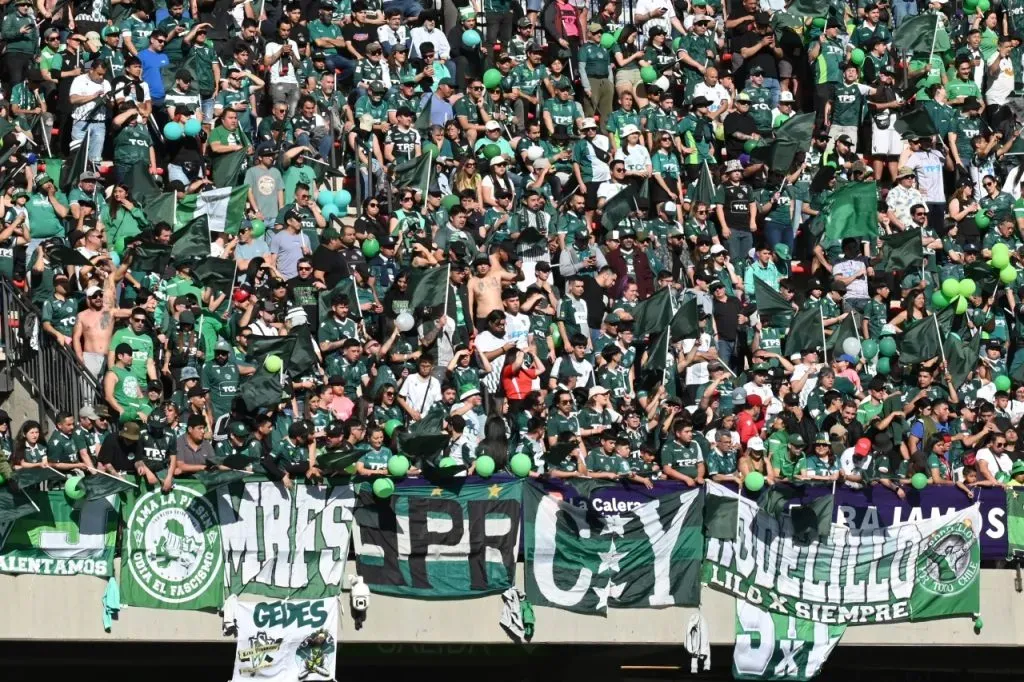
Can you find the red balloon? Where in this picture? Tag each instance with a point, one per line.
(863, 447)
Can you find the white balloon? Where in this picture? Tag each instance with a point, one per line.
(405, 322)
(533, 153)
(851, 346)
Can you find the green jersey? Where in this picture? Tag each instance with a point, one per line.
(682, 457)
(848, 103)
(760, 107)
(61, 448)
(142, 350)
(62, 314)
(223, 382)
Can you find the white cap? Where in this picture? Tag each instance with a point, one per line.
(786, 96)
(296, 316)
(588, 123)
(628, 130)
(92, 291)
(541, 164)
(670, 207)
(662, 84)
(498, 160)
(717, 248)
(492, 125)
(533, 153)
(755, 443)
(597, 390)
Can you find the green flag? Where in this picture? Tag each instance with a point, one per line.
(588, 561)
(808, 8)
(218, 477)
(262, 346)
(796, 128)
(224, 208)
(144, 187)
(778, 153)
(774, 646)
(73, 168)
(923, 342)
(621, 205)
(658, 356)
(805, 331)
(262, 390)
(150, 258)
(346, 286)
(915, 122)
(705, 189)
(921, 33)
(1014, 523)
(164, 209)
(962, 358)
(217, 274)
(847, 329)
(721, 516)
(853, 212)
(63, 257)
(36, 476)
(100, 486)
(226, 170)
(986, 278)
(686, 322)
(14, 506)
(431, 288)
(191, 241)
(415, 173)
(654, 314)
(769, 301)
(337, 460)
(812, 519)
(901, 250)
(423, 123)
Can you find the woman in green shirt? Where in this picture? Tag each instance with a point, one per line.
(122, 218)
(29, 447)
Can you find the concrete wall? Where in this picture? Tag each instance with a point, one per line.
(69, 608)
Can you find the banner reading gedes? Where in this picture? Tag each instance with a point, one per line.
(288, 544)
(286, 640)
(909, 571)
(61, 539)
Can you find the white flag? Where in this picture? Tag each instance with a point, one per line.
(286, 640)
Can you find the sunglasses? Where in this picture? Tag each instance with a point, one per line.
(373, 204)
(920, 214)
(305, 267)
(405, 199)
(139, 319)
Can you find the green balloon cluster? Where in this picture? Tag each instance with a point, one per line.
(485, 466)
(869, 348)
(884, 365)
(754, 481)
(398, 465)
(919, 481)
(887, 347)
(1000, 256)
(520, 465)
(1008, 275)
(383, 487)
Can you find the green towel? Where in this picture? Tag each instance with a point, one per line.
(111, 603)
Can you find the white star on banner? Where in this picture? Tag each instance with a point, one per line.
(610, 559)
(615, 523)
(611, 590)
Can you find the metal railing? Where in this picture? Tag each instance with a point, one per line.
(53, 376)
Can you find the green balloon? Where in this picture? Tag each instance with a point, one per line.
(939, 301)
(887, 346)
(351, 469)
(749, 146)
(967, 287)
(491, 150)
(273, 364)
(447, 462)
(617, 33)
(961, 305)
(648, 74)
(1008, 275)
(984, 5)
(919, 481)
(383, 487)
(73, 488)
(390, 426)
(450, 202)
(492, 78)
(607, 40)
(950, 288)
(520, 465)
(1002, 383)
(556, 334)
(982, 220)
(1002, 477)
(869, 348)
(371, 247)
(431, 148)
(3, 479)
(884, 365)
(259, 228)
(1000, 256)
(970, 5)
(398, 465)
(754, 481)
(818, 22)
(484, 466)
(857, 56)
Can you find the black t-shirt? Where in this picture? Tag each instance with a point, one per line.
(332, 263)
(764, 57)
(302, 292)
(738, 123)
(359, 36)
(118, 453)
(726, 314)
(594, 295)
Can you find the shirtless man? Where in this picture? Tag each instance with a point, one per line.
(486, 284)
(95, 326)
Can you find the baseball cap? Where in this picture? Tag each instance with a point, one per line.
(755, 443)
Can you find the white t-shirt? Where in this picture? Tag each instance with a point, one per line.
(638, 158)
(714, 94)
(275, 70)
(516, 329)
(84, 85)
(858, 288)
(928, 165)
(607, 190)
(485, 343)
(1001, 87)
(665, 20)
(420, 393)
(996, 463)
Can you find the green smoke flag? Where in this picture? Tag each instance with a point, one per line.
(150, 258)
(686, 322)
(14, 506)
(227, 170)
(769, 301)
(922, 342)
(262, 390)
(772, 646)
(804, 332)
(70, 171)
(654, 314)
(415, 173)
(346, 286)
(1014, 523)
(853, 212)
(921, 33)
(216, 274)
(915, 122)
(962, 358)
(99, 486)
(901, 250)
(191, 241)
(584, 560)
(621, 205)
(431, 288)
(808, 8)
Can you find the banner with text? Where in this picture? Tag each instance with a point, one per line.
(287, 544)
(286, 640)
(908, 571)
(770, 646)
(456, 541)
(172, 556)
(599, 546)
(61, 539)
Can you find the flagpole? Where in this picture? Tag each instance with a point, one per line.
(938, 333)
(231, 291)
(30, 500)
(116, 478)
(59, 473)
(824, 339)
(857, 332)
(447, 290)
(426, 188)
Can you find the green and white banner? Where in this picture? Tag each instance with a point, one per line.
(60, 539)
(453, 542)
(172, 556)
(612, 547)
(286, 640)
(775, 647)
(287, 544)
(909, 571)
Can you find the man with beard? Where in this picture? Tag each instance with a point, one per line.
(95, 327)
(221, 377)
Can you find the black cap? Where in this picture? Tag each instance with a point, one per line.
(197, 391)
(4, 417)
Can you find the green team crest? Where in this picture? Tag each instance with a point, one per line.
(950, 564)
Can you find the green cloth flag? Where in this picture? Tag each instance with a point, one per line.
(14, 505)
(223, 207)
(621, 205)
(163, 209)
(847, 329)
(346, 286)
(686, 322)
(773, 646)
(416, 173)
(721, 514)
(901, 250)
(423, 123)
(262, 390)
(63, 257)
(915, 122)
(73, 167)
(217, 274)
(812, 519)
(262, 346)
(468, 548)
(172, 557)
(808, 8)
(962, 358)
(791, 138)
(216, 478)
(99, 486)
(191, 241)
(431, 288)
(805, 331)
(226, 170)
(923, 342)
(770, 302)
(985, 277)
(922, 34)
(1014, 523)
(144, 188)
(36, 476)
(295, 350)
(658, 357)
(705, 189)
(151, 258)
(852, 211)
(654, 314)
(586, 560)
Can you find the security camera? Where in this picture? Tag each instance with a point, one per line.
(360, 599)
